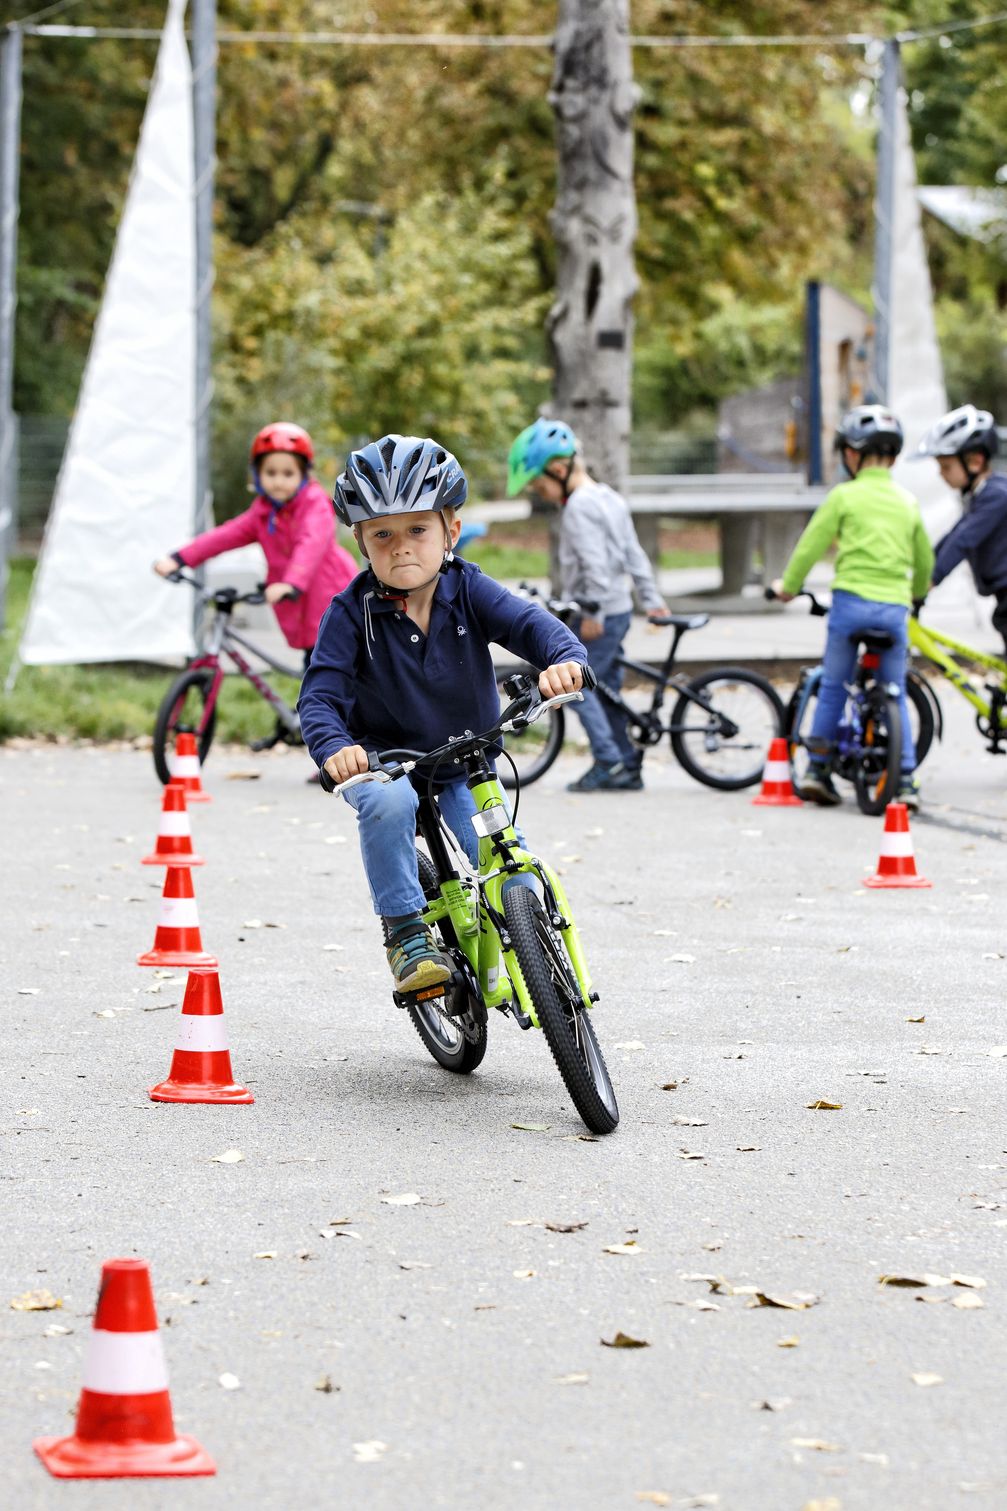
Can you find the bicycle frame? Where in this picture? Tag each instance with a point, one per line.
(475, 908)
(224, 639)
(930, 643)
(849, 734)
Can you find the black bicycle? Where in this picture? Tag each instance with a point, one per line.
(867, 750)
(720, 725)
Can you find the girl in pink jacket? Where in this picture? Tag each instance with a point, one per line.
(293, 520)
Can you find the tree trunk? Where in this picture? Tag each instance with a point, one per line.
(590, 325)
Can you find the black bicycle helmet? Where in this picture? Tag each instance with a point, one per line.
(964, 429)
(398, 475)
(870, 427)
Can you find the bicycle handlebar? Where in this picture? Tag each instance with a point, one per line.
(815, 606)
(563, 608)
(528, 706)
(220, 595)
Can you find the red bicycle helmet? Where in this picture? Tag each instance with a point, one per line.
(281, 436)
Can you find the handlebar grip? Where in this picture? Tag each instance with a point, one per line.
(769, 593)
(588, 676)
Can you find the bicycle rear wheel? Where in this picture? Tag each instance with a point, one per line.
(183, 710)
(721, 732)
(553, 987)
(876, 769)
(921, 699)
(535, 749)
(442, 1033)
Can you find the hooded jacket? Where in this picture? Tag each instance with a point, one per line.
(300, 548)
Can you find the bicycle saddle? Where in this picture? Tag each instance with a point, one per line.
(874, 640)
(681, 621)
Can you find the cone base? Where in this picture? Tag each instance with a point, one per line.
(184, 1091)
(177, 957)
(877, 880)
(153, 859)
(789, 801)
(77, 1458)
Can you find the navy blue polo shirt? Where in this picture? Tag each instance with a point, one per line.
(376, 680)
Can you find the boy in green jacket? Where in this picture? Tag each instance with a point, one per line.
(883, 562)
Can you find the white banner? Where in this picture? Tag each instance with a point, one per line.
(126, 489)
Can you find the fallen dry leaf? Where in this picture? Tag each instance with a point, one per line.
(776, 1403)
(414, 1264)
(622, 1248)
(690, 1154)
(265, 1254)
(229, 1157)
(325, 1385)
(623, 1340)
(916, 1020)
(974, 1282)
(36, 1301)
(823, 1106)
(669, 1085)
(682, 959)
(565, 1227)
(924, 1378)
(830, 1503)
(242, 776)
(799, 1301)
(572, 1379)
(369, 1452)
(230, 1382)
(682, 1122)
(970, 1302)
(998, 1052)
(407, 1199)
(926, 1278)
(749, 1148)
(524, 1274)
(532, 1127)
(791, 1342)
(818, 1444)
(654, 1497)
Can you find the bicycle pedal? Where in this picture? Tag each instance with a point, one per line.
(520, 1017)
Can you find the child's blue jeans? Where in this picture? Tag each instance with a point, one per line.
(849, 615)
(605, 727)
(386, 822)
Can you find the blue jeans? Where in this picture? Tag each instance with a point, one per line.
(848, 615)
(606, 727)
(386, 824)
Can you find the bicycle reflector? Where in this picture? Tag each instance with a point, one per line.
(492, 820)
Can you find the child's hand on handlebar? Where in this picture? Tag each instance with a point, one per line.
(278, 590)
(350, 761)
(780, 592)
(590, 629)
(166, 566)
(565, 677)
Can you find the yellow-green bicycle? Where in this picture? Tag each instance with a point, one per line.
(942, 650)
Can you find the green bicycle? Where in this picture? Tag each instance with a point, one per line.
(508, 929)
(941, 650)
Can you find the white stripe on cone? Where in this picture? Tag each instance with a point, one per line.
(125, 1364)
(174, 824)
(205, 1034)
(178, 913)
(894, 844)
(776, 771)
(185, 766)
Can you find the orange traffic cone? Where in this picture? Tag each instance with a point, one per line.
(777, 791)
(124, 1422)
(185, 768)
(173, 846)
(896, 863)
(177, 939)
(201, 1065)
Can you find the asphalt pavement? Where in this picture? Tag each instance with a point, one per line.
(450, 1351)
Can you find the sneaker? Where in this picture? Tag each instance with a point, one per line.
(602, 778)
(415, 961)
(817, 787)
(909, 792)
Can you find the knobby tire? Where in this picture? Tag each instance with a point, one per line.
(553, 987)
(441, 1036)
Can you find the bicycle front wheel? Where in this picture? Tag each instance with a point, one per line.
(876, 768)
(183, 710)
(534, 749)
(442, 1033)
(553, 987)
(721, 727)
(920, 699)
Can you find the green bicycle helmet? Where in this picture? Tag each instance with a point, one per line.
(534, 449)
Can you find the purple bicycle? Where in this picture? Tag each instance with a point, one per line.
(190, 704)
